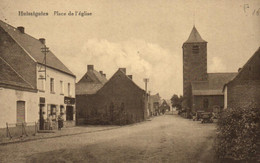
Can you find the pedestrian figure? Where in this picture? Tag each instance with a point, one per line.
(60, 122)
(49, 120)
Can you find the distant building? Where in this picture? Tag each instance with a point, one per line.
(154, 104)
(29, 93)
(244, 89)
(201, 90)
(164, 107)
(91, 82)
(119, 101)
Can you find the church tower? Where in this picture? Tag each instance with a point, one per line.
(194, 63)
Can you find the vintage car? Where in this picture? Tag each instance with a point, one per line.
(197, 116)
(207, 117)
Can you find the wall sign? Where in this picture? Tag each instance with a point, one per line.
(69, 100)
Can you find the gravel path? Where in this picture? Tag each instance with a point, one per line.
(167, 138)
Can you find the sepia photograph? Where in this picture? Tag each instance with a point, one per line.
(130, 81)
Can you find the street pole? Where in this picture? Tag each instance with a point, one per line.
(146, 80)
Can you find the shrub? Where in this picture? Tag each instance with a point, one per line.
(237, 133)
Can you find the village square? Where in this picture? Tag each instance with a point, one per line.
(125, 105)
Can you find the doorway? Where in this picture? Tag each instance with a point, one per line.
(41, 118)
(69, 113)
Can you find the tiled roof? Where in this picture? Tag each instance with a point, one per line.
(194, 36)
(251, 59)
(33, 47)
(119, 72)
(214, 84)
(90, 83)
(9, 77)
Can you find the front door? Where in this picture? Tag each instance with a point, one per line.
(41, 117)
(69, 113)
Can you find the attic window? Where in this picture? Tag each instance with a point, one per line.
(195, 49)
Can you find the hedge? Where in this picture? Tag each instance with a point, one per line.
(237, 134)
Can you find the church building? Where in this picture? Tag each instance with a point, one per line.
(201, 90)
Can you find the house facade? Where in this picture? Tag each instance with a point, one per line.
(120, 101)
(201, 90)
(244, 89)
(53, 84)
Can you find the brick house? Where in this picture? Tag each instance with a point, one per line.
(119, 101)
(201, 90)
(52, 83)
(244, 89)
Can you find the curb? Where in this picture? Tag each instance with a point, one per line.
(55, 136)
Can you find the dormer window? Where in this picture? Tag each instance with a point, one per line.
(195, 49)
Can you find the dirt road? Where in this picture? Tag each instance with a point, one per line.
(167, 138)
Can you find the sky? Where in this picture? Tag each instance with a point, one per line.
(144, 36)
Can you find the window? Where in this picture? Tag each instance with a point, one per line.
(52, 85)
(61, 87)
(195, 49)
(69, 89)
(20, 111)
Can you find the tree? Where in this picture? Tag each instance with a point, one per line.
(177, 102)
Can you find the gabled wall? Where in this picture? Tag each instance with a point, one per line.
(244, 90)
(12, 53)
(119, 101)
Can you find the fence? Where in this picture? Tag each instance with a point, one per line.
(14, 130)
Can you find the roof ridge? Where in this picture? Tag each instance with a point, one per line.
(245, 64)
(15, 28)
(16, 72)
(18, 42)
(126, 78)
(31, 46)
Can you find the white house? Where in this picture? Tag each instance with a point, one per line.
(33, 88)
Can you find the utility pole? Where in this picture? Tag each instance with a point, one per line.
(44, 50)
(146, 80)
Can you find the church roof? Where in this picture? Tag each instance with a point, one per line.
(194, 36)
(212, 86)
(32, 47)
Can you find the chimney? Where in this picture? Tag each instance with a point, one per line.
(90, 67)
(21, 29)
(123, 70)
(130, 76)
(42, 40)
(101, 72)
(239, 69)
